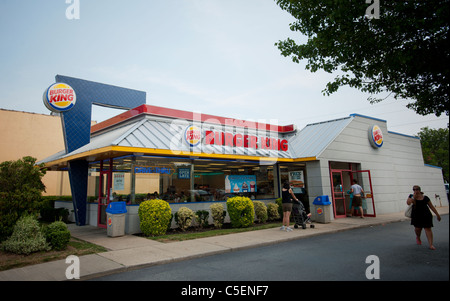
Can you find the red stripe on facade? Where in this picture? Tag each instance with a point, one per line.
(192, 116)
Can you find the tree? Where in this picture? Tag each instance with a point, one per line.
(435, 148)
(403, 51)
(21, 189)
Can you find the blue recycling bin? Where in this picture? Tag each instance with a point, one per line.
(322, 209)
(116, 208)
(115, 219)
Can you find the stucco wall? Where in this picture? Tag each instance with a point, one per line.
(36, 135)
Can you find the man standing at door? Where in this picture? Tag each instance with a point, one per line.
(357, 197)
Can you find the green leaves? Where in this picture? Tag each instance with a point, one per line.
(21, 188)
(435, 143)
(405, 52)
(154, 216)
(184, 217)
(218, 214)
(27, 237)
(241, 211)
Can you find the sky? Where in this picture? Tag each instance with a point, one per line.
(214, 57)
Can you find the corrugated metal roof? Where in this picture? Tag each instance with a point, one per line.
(314, 138)
(107, 138)
(161, 134)
(98, 141)
(158, 134)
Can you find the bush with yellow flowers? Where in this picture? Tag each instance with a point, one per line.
(241, 211)
(184, 218)
(155, 216)
(218, 214)
(260, 211)
(272, 211)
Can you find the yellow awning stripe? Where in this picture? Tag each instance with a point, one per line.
(116, 151)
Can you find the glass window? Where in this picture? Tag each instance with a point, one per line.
(163, 178)
(121, 182)
(178, 180)
(93, 182)
(294, 173)
(219, 180)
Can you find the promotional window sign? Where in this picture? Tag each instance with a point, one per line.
(119, 181)
(184, 173)
(59, 97)
(153, 169)
(240, 183)
(296, 179)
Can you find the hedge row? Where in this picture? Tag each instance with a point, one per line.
(156, 215)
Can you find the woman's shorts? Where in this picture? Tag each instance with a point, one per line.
(357, 201)
(287, 207)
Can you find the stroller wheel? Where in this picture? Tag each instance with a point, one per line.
(303, 226)
(295, 226)
(311, 226)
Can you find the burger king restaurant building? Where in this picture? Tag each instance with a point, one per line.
(191, 159)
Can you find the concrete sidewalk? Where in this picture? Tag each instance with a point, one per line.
(133, 252)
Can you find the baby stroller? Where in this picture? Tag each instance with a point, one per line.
(299, 215)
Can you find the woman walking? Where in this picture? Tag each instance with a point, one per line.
(421, 217)
(287, 195)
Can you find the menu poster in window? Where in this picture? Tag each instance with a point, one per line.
(119, 181)
(296, 179)
(240, 183)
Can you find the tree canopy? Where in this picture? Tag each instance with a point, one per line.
(404, 52)
(21, 189)
(435, 148)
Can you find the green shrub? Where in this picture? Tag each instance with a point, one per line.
(260, 211)
(218, 214)
(27, 237)
(272, 211)
(241, 211)
(202, 218)
(154, 216)
(169, 224)
(21, 188)
(49, 214)
(58, 236)
(184, 218)
(279, 202)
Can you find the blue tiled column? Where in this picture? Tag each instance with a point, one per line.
(78, 176)
(77, 121)
(77, 128)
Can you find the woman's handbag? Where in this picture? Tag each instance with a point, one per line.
(408, 211)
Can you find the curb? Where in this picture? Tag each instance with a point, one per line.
(234, 249)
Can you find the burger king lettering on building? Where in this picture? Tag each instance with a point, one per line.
(59, 97)
(193, 136)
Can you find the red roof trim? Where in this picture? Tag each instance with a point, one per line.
(179, 114)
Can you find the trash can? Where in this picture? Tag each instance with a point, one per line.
(322, 209)
(115, 219)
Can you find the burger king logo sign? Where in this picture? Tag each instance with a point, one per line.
(193, 135)
(375, 136)
(59, 97)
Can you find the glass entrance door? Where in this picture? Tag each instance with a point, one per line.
(105, 184)
(338, 195)
(341, 181)
(368, 203)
